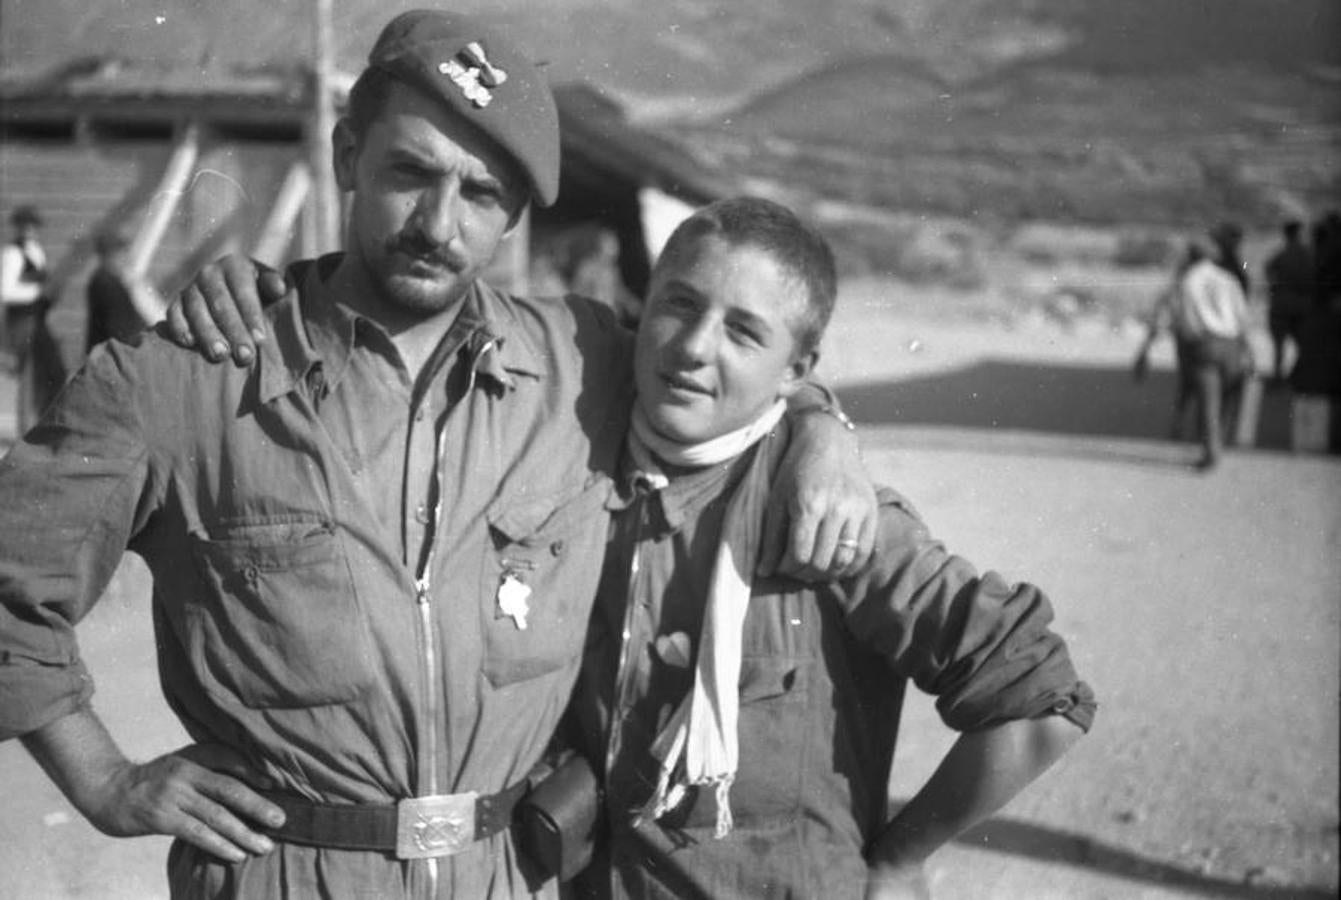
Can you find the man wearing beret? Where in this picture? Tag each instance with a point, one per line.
(374, 550)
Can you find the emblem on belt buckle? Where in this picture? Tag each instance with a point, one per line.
(439, 825)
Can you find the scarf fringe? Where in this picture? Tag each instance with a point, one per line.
(668, 747)
(668, 796)
(723, 796)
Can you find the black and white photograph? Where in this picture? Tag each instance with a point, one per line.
(681, 450)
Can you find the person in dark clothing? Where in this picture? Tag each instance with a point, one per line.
(1315, 377)
(1327, 258)
(1289, 276)
(111, 305)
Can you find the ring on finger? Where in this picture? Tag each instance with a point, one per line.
(848, 544)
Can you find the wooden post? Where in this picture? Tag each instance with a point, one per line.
(326, 201)
(277, 232)
(171, 187)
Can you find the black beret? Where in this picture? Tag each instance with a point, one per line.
(483, 77)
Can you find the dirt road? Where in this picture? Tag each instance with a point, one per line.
(1204, 609)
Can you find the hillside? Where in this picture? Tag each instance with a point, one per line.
(680, 51)
(1158, 113)
(1154, 111)
(1045, 140)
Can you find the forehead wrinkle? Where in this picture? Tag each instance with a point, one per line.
(448, 155)
(413, 117)
(794, 303)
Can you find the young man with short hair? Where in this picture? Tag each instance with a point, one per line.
(745, 726)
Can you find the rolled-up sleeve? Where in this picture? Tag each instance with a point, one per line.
(982, 646)
(72, 492)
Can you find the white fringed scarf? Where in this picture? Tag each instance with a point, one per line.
(702, 730)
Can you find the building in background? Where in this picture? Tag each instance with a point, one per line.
(196, 163)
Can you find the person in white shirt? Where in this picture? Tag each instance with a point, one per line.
(1207, 312)
(23, 292)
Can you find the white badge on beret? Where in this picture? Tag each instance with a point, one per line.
(476, 76)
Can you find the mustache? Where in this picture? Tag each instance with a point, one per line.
(414, 244)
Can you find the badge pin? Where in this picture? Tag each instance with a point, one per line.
(468, 80)
(512, 596)
(491, 75)
(476, 76)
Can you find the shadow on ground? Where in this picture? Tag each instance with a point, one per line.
(1043, 398)
(1052, 846)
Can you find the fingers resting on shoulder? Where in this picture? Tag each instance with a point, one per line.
(221, 312)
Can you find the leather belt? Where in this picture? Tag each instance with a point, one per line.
(414, 828)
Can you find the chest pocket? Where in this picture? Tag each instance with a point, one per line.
(280, 625)
(541, 572)
(771, 734)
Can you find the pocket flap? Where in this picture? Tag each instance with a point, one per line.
(766, 678)
(269, 546)
(528, 520)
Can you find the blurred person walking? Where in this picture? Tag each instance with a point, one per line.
(1206, 310)
(25, 294)
(1289, 276)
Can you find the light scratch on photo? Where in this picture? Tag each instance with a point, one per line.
(197, 176)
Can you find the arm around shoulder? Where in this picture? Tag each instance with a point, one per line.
(821, 517)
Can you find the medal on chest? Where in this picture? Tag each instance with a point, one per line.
(513, 594)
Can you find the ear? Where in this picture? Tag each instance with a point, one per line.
(344, 154)
(798, 370)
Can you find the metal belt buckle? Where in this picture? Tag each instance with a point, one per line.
(439, 825)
